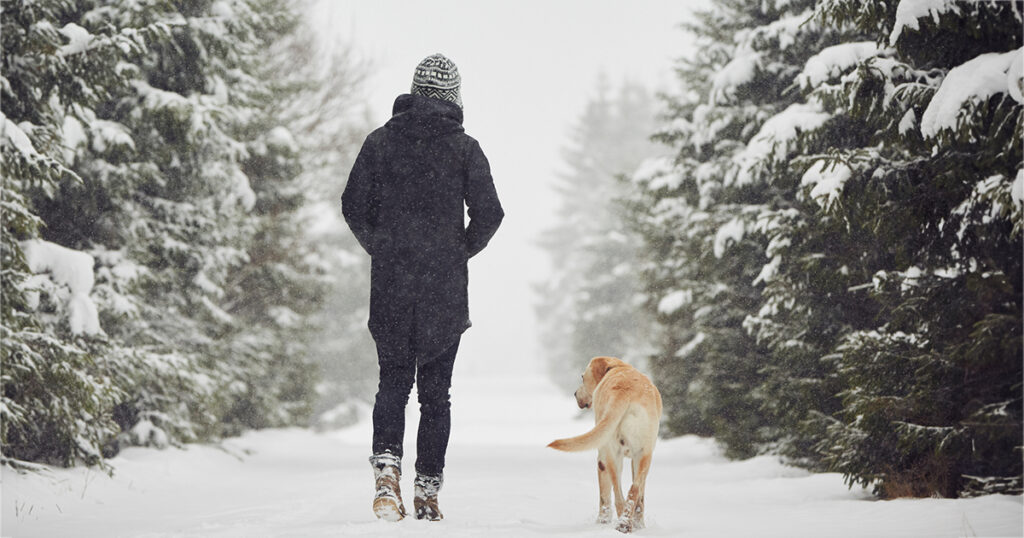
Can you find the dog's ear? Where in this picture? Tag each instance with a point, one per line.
(598, 367)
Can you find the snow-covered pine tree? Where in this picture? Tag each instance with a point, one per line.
(288, 292)
(810, 257)
(165, 206)
(270, 295)
(590, 304)
(141, 132)
(932, 388)
(57, 392)
(734, 125)
(882, 186)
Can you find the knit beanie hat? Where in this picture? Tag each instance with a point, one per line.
(437, 77)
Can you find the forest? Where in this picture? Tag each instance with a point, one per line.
(170, 273)
(813, 245)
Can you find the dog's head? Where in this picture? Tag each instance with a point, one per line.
(592, 375)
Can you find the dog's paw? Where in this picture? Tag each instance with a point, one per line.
(605, 515)
(628, 525)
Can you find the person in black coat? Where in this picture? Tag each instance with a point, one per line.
(406, 201)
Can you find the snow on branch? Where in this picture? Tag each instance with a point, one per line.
(1017, 190)
(993, 198)
(674, 300)
(658, 173)
(730, 233)
(157, 99)
(970, 83)
(826, 179)
(833, 61)
(772, 142)
(239, 189)
(70, 268)
(11, 134)
(788, 28)
(908, 12)
(79, 39)
(747, 61)
(739, 71)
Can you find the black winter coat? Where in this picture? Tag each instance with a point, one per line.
(405, 202)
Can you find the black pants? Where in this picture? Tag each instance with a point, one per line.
(433, 380)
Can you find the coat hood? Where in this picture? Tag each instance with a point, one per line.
(416, 116)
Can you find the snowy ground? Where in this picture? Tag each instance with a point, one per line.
(500, 482)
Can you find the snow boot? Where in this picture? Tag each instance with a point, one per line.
(387, 472)
(425, 501)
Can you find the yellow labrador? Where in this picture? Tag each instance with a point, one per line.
(627, 412)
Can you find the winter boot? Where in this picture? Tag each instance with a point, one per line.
(425, 501)
(387, 472)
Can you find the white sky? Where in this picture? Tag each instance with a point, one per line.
(528, 68)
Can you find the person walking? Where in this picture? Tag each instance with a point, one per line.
(411, 186)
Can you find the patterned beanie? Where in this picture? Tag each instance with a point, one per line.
(437, 77)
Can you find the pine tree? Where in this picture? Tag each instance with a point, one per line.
(288, 291)
(870, 183)
(165, 207)
(57, 390)
(150, 143)
(932, 388)
(810, 258)
(590, 306)
(701, 215)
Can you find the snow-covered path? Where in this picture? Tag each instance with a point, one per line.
(500, 482)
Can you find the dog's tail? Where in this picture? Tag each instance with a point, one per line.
(597, 437)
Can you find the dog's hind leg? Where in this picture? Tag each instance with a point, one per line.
(633, 518)
(609, 467)
(620, 501)
(604, 482)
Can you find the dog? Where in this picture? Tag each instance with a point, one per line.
(627, 413)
